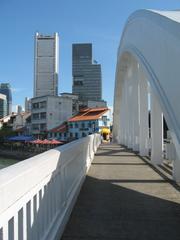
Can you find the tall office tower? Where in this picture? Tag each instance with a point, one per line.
(19, 109)
(46, 65)
(86, 75)
(5, 89)
(3, 105)
(27, 105)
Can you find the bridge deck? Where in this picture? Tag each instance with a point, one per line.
(123, 197)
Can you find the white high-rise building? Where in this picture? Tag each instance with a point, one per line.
(46, 65)
(19, 109)
(27, 105)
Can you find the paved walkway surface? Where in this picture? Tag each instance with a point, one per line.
(123, 197)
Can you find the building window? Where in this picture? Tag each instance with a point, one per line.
(65, 135)
(35, 116)
(76, 135)
(55, 134)
(71, 125)
(104, 119)
(60, 135)
(83, 134)
(78, 83)
(83, 125)
(43, 115)
(89, 124)
(35, 126)
(35, 105)
(42, 126)
(50, 135)
(71, 135)
(78, 80)
(42, 104)
(76, 125)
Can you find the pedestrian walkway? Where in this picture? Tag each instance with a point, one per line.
(123, 197)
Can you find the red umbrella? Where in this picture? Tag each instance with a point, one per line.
(37, 141)
(54, 141)
(46, 141)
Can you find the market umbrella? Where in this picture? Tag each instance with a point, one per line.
(46, 141)
(37, 141)
(54, 141)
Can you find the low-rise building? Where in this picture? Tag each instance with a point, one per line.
(8, 120)
(21, 123)
(75, 101)
(86, 122)
(60, 132)
(49, 112)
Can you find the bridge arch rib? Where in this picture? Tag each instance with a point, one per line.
(148, 80)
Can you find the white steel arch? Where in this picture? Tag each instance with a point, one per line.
(148, 80)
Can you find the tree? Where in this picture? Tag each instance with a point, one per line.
(6, 131)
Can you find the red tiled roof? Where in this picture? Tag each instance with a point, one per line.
(88, 114)
(61, 128)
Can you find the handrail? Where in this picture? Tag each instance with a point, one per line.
(37, 195)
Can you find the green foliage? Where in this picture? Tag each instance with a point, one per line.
(5, 132)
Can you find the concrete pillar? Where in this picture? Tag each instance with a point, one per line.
(122, 115)
(135, 106)
(176, 170)
(126, 125)
(129, 107)
(156, 131)
(143, 114)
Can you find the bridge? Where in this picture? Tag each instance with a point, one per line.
(129, 192)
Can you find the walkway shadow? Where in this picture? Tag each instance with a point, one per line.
(106, 210)
(114, 152)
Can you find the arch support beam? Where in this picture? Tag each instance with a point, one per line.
(143, 114)
(150, 39)
(156, 131)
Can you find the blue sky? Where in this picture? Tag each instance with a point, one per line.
(97, 21)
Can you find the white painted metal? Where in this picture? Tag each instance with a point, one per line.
(37, 195)
(150, 40)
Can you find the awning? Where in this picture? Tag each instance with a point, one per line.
(21, 138)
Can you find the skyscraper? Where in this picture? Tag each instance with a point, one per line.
(27, 105)
(46, 65)
(86, 75)
(5, 89)
(3, 105)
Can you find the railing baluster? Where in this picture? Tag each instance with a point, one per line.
(35, 222)
(1, 233)
(5, 231)
(20, 224)
(25, 222)
(11, 229)
(28, 219)
(16, 227)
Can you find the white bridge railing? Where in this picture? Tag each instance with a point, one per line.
(37, 195)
